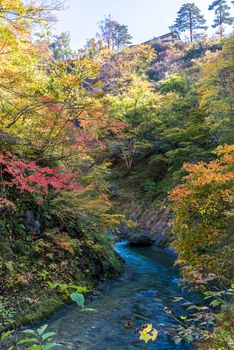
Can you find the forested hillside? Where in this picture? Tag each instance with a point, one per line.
(135, 141)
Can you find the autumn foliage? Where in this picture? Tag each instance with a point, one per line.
(30, 177)
(203, 205)
(82, 133)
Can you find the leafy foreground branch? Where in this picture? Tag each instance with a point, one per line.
(39, 339)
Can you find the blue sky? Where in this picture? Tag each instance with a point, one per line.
(145, 18)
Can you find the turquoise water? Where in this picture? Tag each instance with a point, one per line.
(147, 286)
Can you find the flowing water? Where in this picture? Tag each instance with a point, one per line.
(139, 296)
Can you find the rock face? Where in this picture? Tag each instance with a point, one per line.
(32, 222)
(140, 239)
(154, 226)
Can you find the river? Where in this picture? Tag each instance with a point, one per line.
(139, 296)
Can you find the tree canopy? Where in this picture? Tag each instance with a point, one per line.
(222, 14)
(189, 18)
(114, 34)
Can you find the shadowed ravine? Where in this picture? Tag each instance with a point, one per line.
(139, 295)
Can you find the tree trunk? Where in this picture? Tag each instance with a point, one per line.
(221, 30)
(220, 24)
(191, 27)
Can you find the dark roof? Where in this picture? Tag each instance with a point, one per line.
(163, 36)
(168, 34)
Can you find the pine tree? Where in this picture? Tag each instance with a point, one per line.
(190, 18)
(122, 37)
(222, 14)
(114, 34)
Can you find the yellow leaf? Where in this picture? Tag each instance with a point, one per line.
(145, 336)
(154, 334)
(148, 328)
(148, 333)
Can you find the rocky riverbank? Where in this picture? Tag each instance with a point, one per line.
(153, 226)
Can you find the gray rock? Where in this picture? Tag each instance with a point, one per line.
(32, 222)
(154, 226)
(141, 240)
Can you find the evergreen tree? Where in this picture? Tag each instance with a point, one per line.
(189, 18)
(222, 14)
(114, 34)
(122, 37)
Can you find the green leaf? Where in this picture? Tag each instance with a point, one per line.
(63, 286)
(79, 289)
(29, 340)
(215, 303)
(176, 299)
(193, 307)
(52, 285)
(89, 309)
(42, 329)
(28, 331)
(78, 298)
(5, 335)
(48, 335)
(49, 346)
(183, 317)
(34, 347)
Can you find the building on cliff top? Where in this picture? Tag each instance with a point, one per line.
(172, 37)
